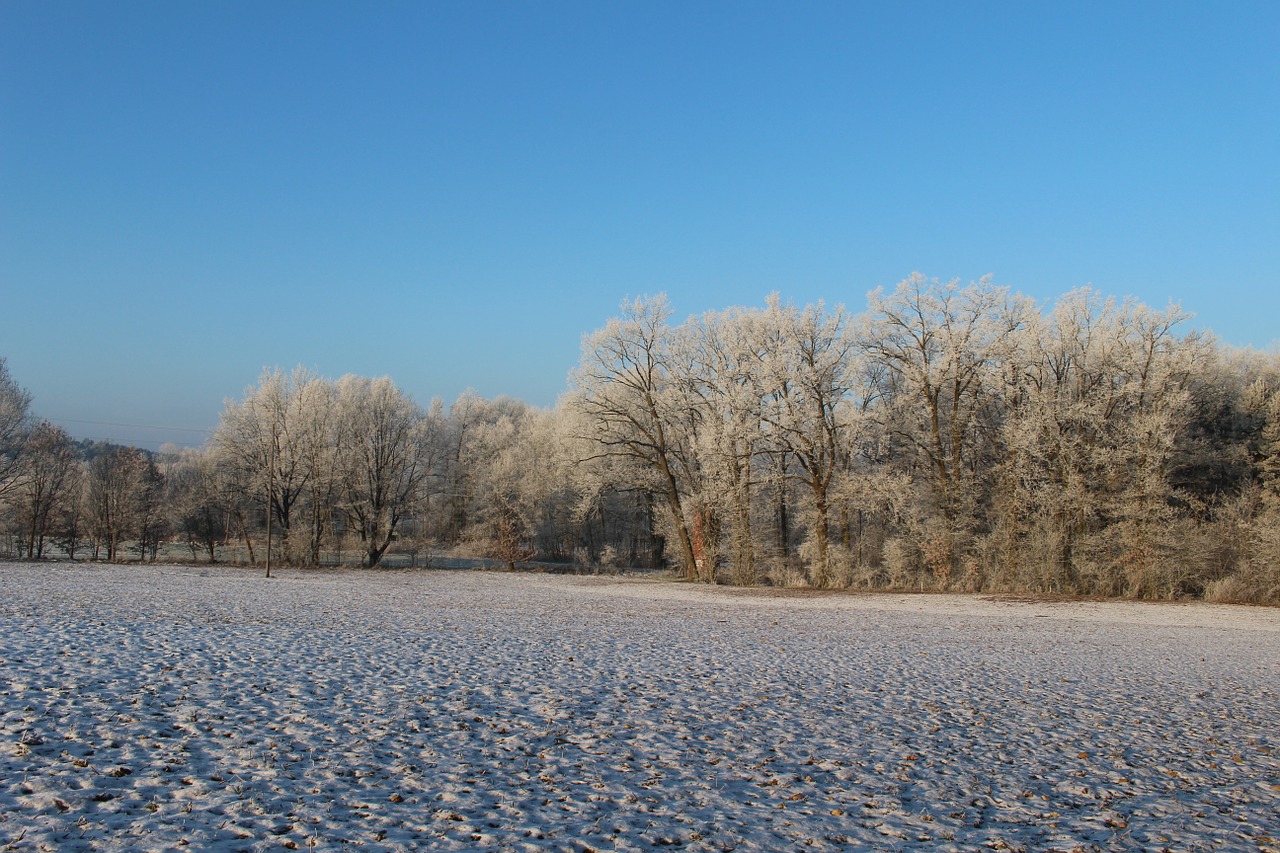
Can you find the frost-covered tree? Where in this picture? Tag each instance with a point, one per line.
(1157, 365)
(1090, 436)
(940, 354)
(807, 373)
(953, 436)
(321, 436)
(460, 458)
(1056, 440)
(198, 503)
(69, 526)
(624, 390)
(725, 382)
(316, 448)
(388, 455)
(505, 486)
(14, 403)
(269, 441)
(613, 514)
(513, 475)
(1269, 452)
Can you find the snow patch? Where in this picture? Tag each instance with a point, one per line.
(160, 707)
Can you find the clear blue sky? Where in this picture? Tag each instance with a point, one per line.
(453, 193)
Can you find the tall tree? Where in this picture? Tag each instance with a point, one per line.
(457, 462)
(322, 440)
(726, 384)
(14, 403)
(388, 456)
(268, 439)
(623, 388)
(1090, 436)
(197, 503)
(117, 482)
(940, 352)
(1156, 366)
(47, 484)
(808, 374)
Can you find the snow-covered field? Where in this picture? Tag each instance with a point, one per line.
(153, 708)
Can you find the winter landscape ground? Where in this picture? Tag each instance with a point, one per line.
(160, 707)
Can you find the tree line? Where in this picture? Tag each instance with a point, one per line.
(950, 437)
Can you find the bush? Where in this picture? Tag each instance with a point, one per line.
(903, 564)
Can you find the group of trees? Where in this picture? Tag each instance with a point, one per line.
(351, 455)
(950, 437)
(954, 437)
(303, 466)
(55, 491)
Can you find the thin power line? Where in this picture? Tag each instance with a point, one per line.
(132, 426)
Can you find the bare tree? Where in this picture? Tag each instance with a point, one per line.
(118, 480)
(68, 527)
(46, 486)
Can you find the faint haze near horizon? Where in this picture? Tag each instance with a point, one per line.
(453, 194)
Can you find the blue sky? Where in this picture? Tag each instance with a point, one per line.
(454, 193)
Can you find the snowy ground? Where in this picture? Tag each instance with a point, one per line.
(151, 708)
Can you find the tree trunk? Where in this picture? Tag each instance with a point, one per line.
(821, 568)
(682, 529)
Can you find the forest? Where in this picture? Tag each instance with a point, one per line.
(951, 437)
